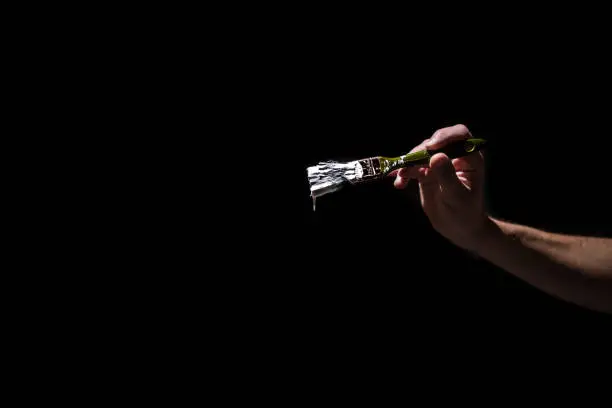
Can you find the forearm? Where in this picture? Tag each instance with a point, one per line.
(576, 269)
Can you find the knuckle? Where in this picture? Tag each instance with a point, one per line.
(404, 172)
(439, 134)
(447, 134)
(462, 129)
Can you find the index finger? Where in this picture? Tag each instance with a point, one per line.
(440, 138)
(444, 136)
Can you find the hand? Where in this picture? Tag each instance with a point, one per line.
(451, 190)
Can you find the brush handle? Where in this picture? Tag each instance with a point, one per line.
(461, 148)
(453, 150)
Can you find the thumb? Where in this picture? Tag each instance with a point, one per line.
(443, 169)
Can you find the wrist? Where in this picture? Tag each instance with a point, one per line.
(487, 235)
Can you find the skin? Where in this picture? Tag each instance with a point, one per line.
(577, 269)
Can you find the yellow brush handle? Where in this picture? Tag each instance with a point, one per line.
(453, 150)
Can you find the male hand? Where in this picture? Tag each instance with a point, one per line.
(451, 190)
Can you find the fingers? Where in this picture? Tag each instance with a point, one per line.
(400, 183)
(429, 190)
(407, 172)
(444, 171)
(404, 175)
(470, 170)
(472, 161)
(439, 139)
(443, 136)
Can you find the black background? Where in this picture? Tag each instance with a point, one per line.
(367, 261)
(366, 271)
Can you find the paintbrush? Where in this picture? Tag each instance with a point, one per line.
(330, 176)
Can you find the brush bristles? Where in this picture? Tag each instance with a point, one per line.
(330, 176)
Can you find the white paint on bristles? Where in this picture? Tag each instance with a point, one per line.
(330, 176)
